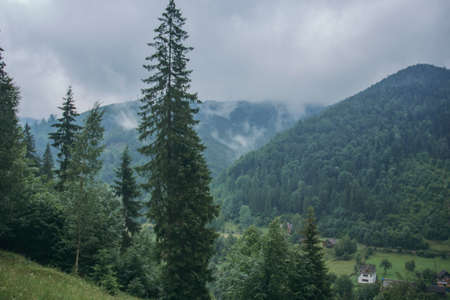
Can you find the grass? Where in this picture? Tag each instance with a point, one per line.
(23, 279)
(398, 260)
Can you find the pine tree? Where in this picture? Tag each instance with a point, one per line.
(64, 136)
(47, 164)
(176, 174)
(314, 259)
(126, 187)
(30, 155)
(11, 148)
(81, 170)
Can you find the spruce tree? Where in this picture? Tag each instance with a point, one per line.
(81, 171)
(11, 148)
(177, 177)
(125, 186)
(64, 136)
(315, 264)
(30, 154)
(47, 164)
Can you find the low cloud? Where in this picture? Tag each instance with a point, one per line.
(291, 51)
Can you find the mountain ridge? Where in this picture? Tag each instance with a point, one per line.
(358, 161)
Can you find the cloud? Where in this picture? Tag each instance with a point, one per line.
(292, 51)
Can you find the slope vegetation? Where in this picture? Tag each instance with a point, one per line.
(23, 279)
(376, 165)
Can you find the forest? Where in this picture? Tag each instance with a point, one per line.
(374, 166)
(371, 172)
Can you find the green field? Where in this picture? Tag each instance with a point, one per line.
(398, 260)
(23, 279)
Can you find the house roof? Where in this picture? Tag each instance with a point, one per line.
(442, 274)
(367, 269)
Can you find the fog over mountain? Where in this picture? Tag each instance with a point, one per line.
(294, 51)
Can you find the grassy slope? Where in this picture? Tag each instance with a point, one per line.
(397, 259)
(23, 279)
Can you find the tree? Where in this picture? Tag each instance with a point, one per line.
(176, 174)
(64, 137)
(344, 287)
(80, 172)
(30, 154)
(245, 216)
(410, 265)
(314, 258)
(126, 187)
(47, 164)
(11, 149)
(386, 265)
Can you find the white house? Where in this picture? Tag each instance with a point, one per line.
(367, 274)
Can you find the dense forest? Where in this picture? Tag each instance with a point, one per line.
(375, 166)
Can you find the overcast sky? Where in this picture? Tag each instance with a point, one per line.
(288, 50)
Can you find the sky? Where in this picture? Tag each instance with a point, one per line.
(291, 51)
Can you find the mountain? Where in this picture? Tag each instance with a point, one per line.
(375, 166)
(228, 129)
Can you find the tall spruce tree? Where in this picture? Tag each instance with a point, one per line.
(64, 137)
(47, 164)
(177, 177)
(30, 154)
(81, 171)
(11, 149)
(315, 264)
(126, 188)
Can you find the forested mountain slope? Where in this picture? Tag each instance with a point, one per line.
(228, 129)
(376, 165)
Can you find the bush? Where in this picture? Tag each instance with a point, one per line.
(345, 248)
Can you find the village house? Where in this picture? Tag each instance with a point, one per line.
(367, 274)
(443, 279)
(329, 243)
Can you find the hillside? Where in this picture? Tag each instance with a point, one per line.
(375, 166)
(228, 129)
(23, 279)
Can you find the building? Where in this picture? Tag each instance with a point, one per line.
(329, 243)
(367, 274)
(443, 280)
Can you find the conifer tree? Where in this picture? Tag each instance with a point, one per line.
(125, 186)
(313, 255)
(10, 147)
(47, 164)
(64, 136)
(176, 174)
(81, 171)
(30, 154)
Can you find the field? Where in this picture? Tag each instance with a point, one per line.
(23, 279)
(398, 260)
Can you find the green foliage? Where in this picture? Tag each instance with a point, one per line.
(345, 247)
(30, 154)
(104, 273)
(245, 216)
(316, 269)
(47, 164)
(410, 265)
(343, 287)
(375, 166)
(386, 265)
(138, 271)
(11, 151)
(176, 174)
(24, 279)
(367, 291)
(126, 188)
(64, 137)
(269, 267)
